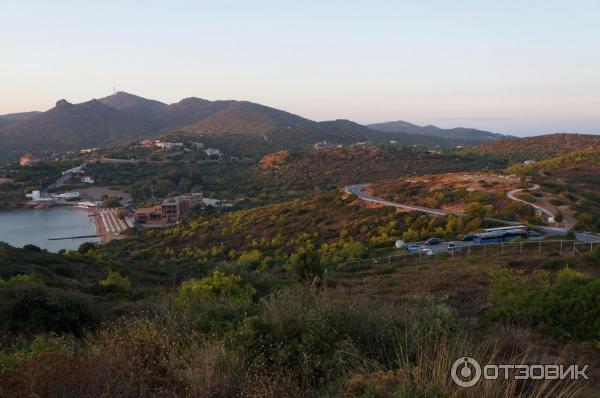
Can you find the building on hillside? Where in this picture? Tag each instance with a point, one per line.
(166, 144)
(149, 216)
(212, 152)
(163, 144)
(88, 150)
(323, 145)
(87, 180)
(146, 143)
(29, 160)
(170, 211)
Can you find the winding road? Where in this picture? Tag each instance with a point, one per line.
(357, 190)
(512, 195)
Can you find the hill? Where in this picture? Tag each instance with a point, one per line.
(336, 167)
(69, 127)
(12, 118)
(536, 148)
(124, 117)
(570, 183)
(134, 105)
(361, 132)
(464, 136)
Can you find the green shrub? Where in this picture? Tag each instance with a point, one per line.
(592, 259)
(554, 264)
(306, 264)
(116, 281)
(216, 287)
(34, 308)
(568, 308)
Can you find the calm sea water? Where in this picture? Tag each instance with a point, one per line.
(19, 227)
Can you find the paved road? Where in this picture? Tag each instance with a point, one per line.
(65, 176)
(357, 190)
(587, 237)
(511, 195)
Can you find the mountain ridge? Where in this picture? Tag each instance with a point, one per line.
(459, 133)
(124, 117)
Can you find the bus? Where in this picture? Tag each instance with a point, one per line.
(505, 235)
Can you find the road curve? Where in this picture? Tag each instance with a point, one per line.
(511, 195)
(357, 190)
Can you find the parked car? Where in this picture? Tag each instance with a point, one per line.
(468, 238)
(433, 241)
(412, 248)
(426, 251)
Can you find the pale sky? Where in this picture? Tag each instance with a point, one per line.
(525, 67)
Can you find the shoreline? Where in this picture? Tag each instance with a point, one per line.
(108, 225)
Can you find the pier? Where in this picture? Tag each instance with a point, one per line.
(75, 237)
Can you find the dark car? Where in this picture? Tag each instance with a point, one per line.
(467, 238)
(433, 241)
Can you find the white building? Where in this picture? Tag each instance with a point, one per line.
(213, 152)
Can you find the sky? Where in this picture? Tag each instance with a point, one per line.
(520, 67)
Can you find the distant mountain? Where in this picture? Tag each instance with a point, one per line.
(536, 148)
(465, 135)
(124, 117)
(246, 117)
(12, 118)
(360, 132)
(70, 126)
(133, 104)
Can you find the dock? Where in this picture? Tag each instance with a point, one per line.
(75, 237)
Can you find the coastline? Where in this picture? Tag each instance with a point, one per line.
(53, 228)
(108, 225)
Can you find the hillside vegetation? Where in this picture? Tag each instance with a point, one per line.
(92, 326)
(337, 167)
(574, 180)
(535, 148)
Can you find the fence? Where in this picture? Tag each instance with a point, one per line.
(515, 249)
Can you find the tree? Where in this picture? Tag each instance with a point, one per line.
(116, 281)
(110, 201)
(559, 216)
(216, 287)
(306, 264)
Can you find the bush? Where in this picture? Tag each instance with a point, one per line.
(567, 308)
(306, 264)
(34, 308)
(554, 264)
(117, 282)
(216, 287)
(592, 259)
(317, 338)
